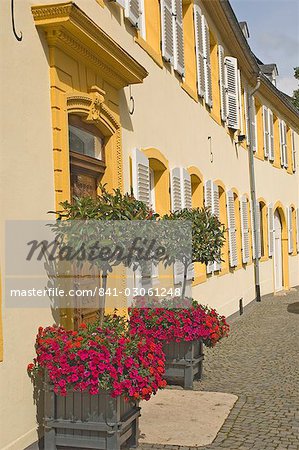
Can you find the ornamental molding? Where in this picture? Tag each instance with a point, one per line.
(92, 106)
(68, 27)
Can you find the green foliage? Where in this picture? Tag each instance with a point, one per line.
(296, 92)
(106, 206)
(207, 233)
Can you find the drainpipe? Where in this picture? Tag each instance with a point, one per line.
(253, 191)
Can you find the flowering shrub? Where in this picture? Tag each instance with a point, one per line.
(168, 323)
(96, 358)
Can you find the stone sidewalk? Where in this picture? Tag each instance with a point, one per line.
(259, 363)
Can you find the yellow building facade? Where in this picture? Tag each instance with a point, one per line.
(165, 86)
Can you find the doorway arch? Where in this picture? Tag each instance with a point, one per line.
(280, 256)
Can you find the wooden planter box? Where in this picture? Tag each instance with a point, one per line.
(184, 362)
(83, 421)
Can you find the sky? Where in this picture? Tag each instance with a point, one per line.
(274, 35)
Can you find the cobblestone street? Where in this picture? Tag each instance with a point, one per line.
(259, 363)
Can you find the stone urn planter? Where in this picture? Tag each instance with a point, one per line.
(83, 421)
(184, 362)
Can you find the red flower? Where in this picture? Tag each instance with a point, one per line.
(109, 358)
(30, 367)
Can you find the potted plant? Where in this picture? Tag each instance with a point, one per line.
(184, 325)
(207, 235)
(95, 374)
(93, 222)
(94, 379)
(183, 330)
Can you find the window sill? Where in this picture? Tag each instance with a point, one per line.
(264, 258)
(149, 50)
(190, 91)
(217, 119)
(223, 272)
(199, 280)
(257, 156)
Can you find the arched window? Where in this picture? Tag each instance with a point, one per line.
(196, 187)
(159, 185)
(87, 156)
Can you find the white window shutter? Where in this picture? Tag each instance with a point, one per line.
(178, 272)
(283, 144)
(133, 12)
(297, 229)
(199, 51)
(216, 212)
(167, 30)
(212, 201)
(215, 201)
(259, 223)
(208, 194)
(253, 124)
(207, 61)
(270, 229)
(176, 190)
(152, 189)
(266, 131)
(294, 162)
(143, 276)
(252, 234)
(178, 37)
(176, 205)
(186, 189)
(187, 203)
(121, 3)
(231, 74)
(140, 176)
(240, 103)
(290, 229)
(245, 229)
(232, 237)
(285, 148)
(271, 135)
(222, 84)
(258, 219)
